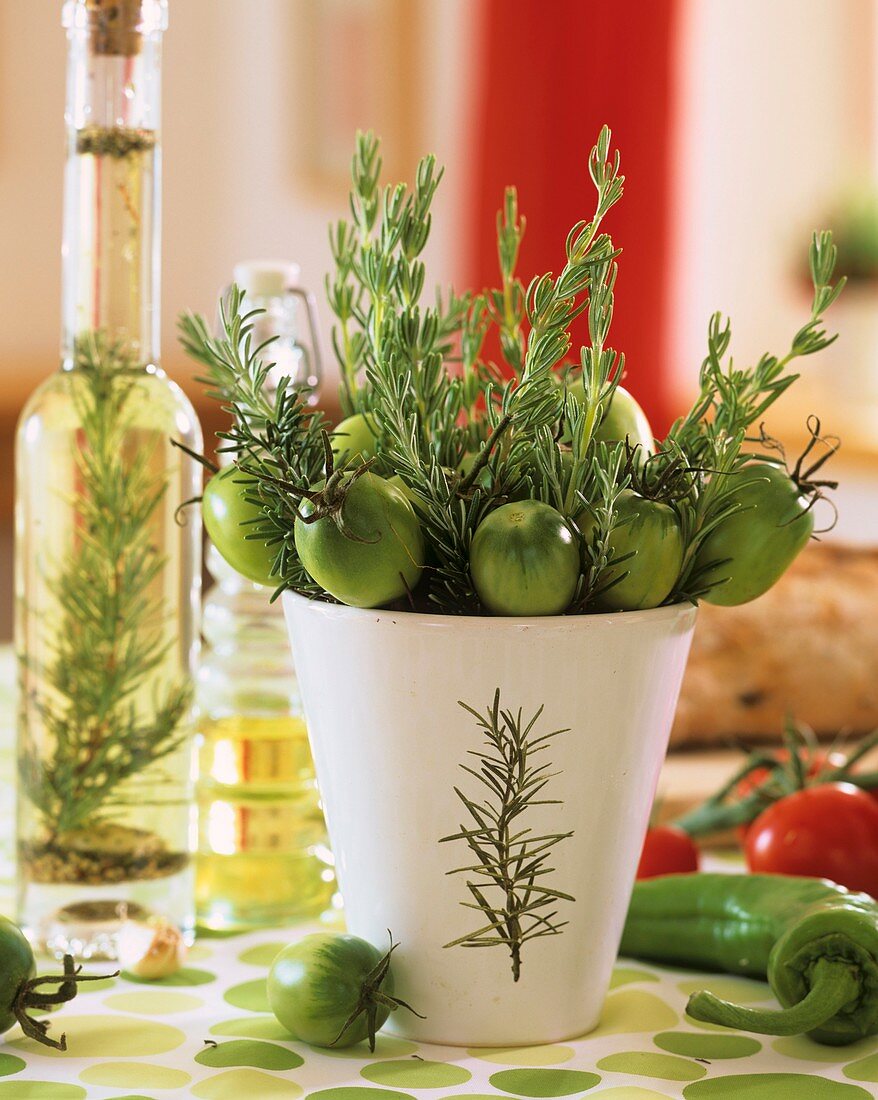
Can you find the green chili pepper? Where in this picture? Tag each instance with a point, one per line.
(815, 942)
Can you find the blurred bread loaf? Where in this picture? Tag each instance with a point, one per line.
(809, 647)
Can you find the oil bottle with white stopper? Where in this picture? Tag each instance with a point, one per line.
(263, 856)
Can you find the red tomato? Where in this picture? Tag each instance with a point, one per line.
(667, 850)
(828, 831)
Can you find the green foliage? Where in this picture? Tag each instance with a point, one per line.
(508, 885)
(109, 636)
(464, 435)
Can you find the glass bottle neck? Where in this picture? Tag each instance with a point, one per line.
(111, 249)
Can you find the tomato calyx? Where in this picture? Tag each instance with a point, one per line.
(371, 996)
(328, 501)
(27, 998)
(766, 777)
(662, 477)
(807, 466)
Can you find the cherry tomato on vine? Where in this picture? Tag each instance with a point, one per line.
(524, 560)
(332, 990)
(754, 546)
(667, 850)
(826, 831)
(381, 557)
(353, 440)
(816, 762)
(228, 519)
(649, 531)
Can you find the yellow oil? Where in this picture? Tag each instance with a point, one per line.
(262, 851)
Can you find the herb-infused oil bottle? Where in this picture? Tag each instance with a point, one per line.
(107, 571)
(263, 856)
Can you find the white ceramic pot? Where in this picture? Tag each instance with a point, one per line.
(390, 740)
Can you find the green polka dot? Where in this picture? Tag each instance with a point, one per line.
(9, 1064)
(634, 1092)
(147, 1074)
(248, 1052)
(415, 1073)
(806, 1050)
(625, 975)
(386, 1046)
(740, 990)
(198, 952)
(773, 1086)
(40, 1090)
(544, 1082)
(149, 1003)
(693, 1045)
(250, 995)
(109, 1037)
(362, 1092)
(643, 1063)
(866, 1069)
(188, 975)
(263, 954)
(633, 1010)
(235, 1083)
(252, 1027)
(549, 1055)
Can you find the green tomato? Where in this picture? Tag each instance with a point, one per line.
(524, 560)
(384, 558)
(228, 519)
(625, 419)
(754, 546)
(353, 441)
(650, 531)
(316, 985)
(16, 966)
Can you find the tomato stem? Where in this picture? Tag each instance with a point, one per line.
(27, 998)
(371, 996)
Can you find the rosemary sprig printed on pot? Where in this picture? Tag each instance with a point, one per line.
(110, 638)
(507, 883)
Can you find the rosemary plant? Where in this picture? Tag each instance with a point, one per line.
(508, 878)
(109, 637)
(462, 435)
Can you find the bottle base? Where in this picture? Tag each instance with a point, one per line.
(60, 919)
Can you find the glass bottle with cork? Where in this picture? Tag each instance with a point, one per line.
(107, 572)
(263, 857)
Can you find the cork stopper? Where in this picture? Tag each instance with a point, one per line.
(116, 27)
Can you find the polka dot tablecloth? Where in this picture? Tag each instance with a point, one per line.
(207, 1032)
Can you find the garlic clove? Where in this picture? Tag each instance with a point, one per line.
(150, 949)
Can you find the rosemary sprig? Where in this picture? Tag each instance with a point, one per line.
(278, 442)
(508, 878)
(710, 439)
(111, 634)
